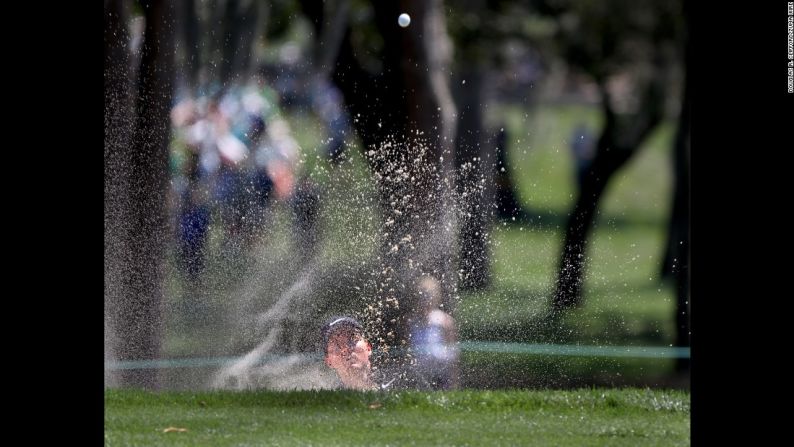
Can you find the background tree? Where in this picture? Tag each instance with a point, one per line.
(629, 49)
(136, 180)
(482, 31)
(676, 259)
(117, 133)
(475, 156)
(243, 22)
(394, 84)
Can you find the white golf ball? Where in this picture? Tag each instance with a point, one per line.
(404, 20)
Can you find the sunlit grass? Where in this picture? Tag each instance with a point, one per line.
(577, 417)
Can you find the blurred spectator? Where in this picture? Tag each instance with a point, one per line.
(583, 148)
(232, 156)
(434, 337)
(306, 211)
(327, 101)
(193, 216)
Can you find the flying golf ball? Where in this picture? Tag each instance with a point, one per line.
(404, 20)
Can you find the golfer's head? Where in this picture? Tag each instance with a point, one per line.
(429, 289)
(345, 345)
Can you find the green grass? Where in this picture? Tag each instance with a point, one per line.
(500, 371)
(578, 417)
(624, 301)
(541, 163)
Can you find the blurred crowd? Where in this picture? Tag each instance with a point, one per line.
(232, 156)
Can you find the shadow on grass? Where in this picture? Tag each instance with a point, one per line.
(546, 219)
(524, 316)
(494, 371)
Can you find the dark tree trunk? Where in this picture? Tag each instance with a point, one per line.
(118, 131)
(239, 25)
(404, 116)
(188, 31)
(680, 233)
(609, 159)
(676, 261)
(475, 163)
(213, 15)
(229, 39)
(139, 317)
(258, 13)
(506, 199)
(619, 140)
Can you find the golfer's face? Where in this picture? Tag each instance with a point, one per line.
(348, 353)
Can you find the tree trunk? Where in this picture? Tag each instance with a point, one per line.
(475, 162)
(405, 118)
(240, 24)
(676, 262)
(682, 253)
(619, 140)
(118, 131)
(140, 311)
(188, 32)
(608, 160)
(506, 199)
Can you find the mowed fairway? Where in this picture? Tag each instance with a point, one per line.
(549, 417)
